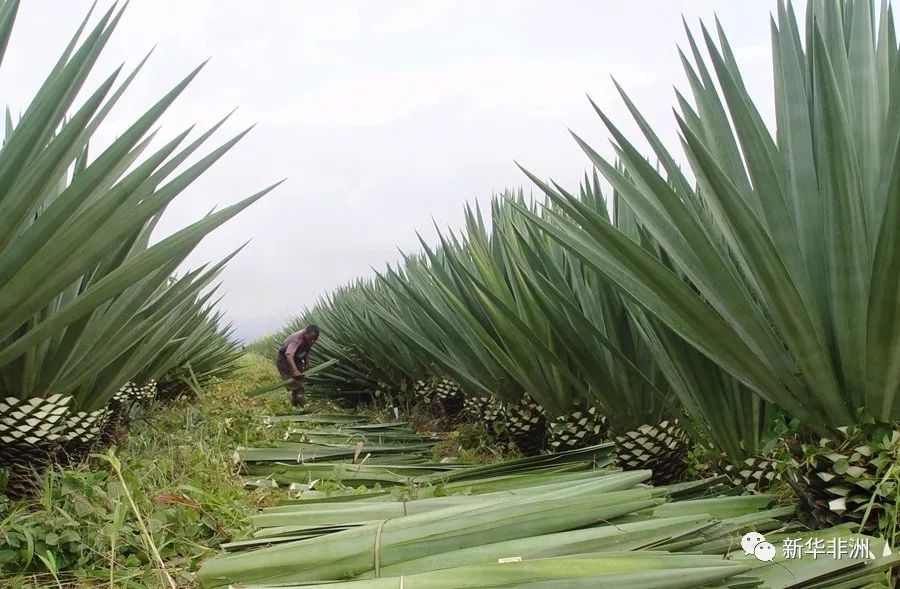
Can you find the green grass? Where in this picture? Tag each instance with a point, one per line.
(468, 442)
(176, 465)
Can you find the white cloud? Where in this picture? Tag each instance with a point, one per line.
(492, 81)
(409, 16)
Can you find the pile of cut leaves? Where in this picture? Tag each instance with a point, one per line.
(553, 521)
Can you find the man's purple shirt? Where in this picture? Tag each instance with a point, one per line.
(294, 347)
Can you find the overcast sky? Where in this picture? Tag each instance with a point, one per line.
(383, 115)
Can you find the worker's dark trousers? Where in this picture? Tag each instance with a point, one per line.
(295, 386)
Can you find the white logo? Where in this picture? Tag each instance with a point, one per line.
(754, 544)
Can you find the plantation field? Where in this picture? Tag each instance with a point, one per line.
(681, 373)
(175, 491)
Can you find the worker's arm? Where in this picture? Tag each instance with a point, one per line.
(289, 356)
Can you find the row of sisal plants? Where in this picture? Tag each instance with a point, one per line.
(736, 293)
(92, 316)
